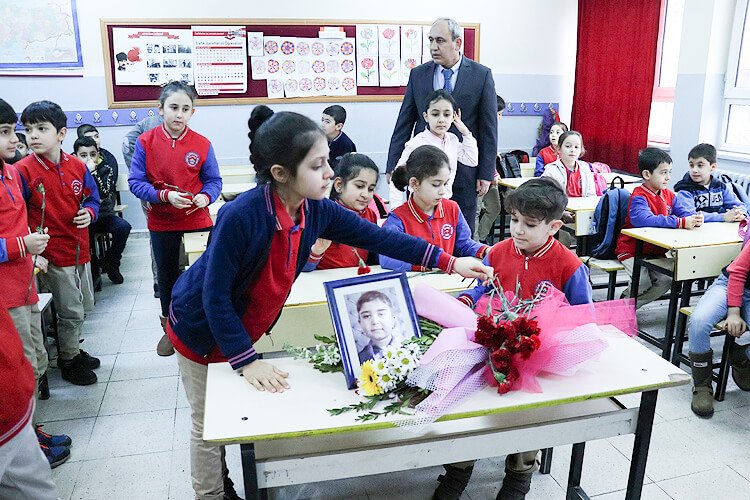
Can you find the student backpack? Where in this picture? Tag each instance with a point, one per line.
(508, 166)
(739, 191)
(609, 217)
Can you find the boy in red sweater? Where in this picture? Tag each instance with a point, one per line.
(24, 472)
(64, 187)
(652, 205)
(532, 257)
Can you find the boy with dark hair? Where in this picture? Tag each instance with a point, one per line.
(87, 151)
(700, 191)
(532, 257)
(338, 142)
(652, 205)
(64, 187)
(22, 147)
(87, 130)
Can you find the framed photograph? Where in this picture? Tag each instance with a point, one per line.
(369, 313)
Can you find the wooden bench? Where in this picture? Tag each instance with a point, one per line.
(723, 365)
(609, 266)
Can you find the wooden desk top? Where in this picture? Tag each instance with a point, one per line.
(709, 234)
(309, 289)
(235, 412)
(630, 180)
(237, 188)
(195, 242)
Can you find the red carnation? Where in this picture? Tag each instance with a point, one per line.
(526, 327)
(501, 359)
(504, 387)
(486, 332)
(526, 346)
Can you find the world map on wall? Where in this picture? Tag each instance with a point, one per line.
(39, 34)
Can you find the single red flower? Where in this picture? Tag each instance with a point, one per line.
(486, 330)
(363, 270)
(501, 359)
(526, 327)
(537, 341)
(526, 347)
(505, 387)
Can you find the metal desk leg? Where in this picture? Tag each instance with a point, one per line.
(546, 464)
(250, 474)
(635, 280)
(679, 333)
(674, 295)
(574, 476)
(640, 446)
(503, 213)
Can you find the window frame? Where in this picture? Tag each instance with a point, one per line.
(732, 94)
(661, 93)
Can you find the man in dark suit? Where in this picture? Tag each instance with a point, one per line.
(473, 88)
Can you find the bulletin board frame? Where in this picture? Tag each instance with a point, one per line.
(113, 102)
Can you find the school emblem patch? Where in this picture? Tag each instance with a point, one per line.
(446, 231)
(543, 287)
(192, 158)
(77, 187)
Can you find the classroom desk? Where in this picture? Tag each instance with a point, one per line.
(230, 191)
(195, 245)
(697, 253)
(281, 447)
(306, 311)
(514, 182)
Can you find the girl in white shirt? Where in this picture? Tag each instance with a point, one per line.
(441, 112)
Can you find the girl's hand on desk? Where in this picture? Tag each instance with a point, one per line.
(265, 377)
(320, 246)
(735, 325)
(469, 267)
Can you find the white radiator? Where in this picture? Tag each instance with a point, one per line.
(741, 179)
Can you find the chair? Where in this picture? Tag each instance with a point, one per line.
(609, 266)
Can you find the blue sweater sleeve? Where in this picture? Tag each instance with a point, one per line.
(210, 176)
(4, 257)
(476, 293)
(310, 265)
(578, 287)
(642, 216)
(393, 223)
(539, 168)
(92, 201)
(138, 182)
(465, 246)
(684, 203)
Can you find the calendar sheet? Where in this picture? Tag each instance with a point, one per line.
(220, 59)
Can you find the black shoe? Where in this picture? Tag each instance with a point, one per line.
(43, 387)
(113, 271)
(156, 291)
(76, 371)
(515, 485)
(452, 483)
(91, 361)
(229, 491)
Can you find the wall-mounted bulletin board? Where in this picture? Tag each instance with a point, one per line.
(248, 61)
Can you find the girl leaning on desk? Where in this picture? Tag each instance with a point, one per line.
(235, 292)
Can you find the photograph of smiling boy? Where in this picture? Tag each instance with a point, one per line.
(378, 321)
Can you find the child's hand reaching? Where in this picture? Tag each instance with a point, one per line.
(35, 242)
(200, 200)
(178, 200)
(459, 124)
(41, 263)
(320, 246)
(735, 325)
(82, 218)
(694, 220)
(469, 267)
(265, 377)
(736, 214)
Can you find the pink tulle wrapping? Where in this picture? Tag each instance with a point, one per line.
(570, 336)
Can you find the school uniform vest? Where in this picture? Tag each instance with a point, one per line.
(438, 229)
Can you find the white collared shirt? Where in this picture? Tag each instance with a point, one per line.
(438, 79)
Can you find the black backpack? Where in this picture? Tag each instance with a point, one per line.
(507, 166)
(609, 217)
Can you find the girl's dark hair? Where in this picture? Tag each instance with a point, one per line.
(279, 139)
(561, 125)
(425, 161)
(439, 95)
(567, 134)
(174, 87)
(349, 167)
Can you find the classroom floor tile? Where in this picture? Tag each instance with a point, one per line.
(131, 430)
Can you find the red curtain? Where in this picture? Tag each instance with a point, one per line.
(615, 66)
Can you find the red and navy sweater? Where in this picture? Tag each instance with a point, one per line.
(188, 163)
(214, 298)
(552, 264)
(648, 208)
(16, 265)
(445, 228)
(17, 389)
(68, 187)
(339, 255)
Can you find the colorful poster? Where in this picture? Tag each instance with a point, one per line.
(275, 88)
(259, 68)
(367, 39)
(408, 63)
(390, 71)
(220, 59)
(411, 40)
(367, 70)
(388, 39)
(271, 45)
(152, 57)
(254, 43)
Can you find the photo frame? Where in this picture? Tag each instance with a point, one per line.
(369, 313)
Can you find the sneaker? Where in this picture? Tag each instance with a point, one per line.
(156, 291)
(55, 454)
(76, 370)
(50, 440)
(91, 361)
